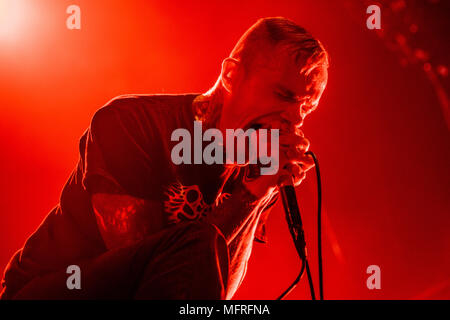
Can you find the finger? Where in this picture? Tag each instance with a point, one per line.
(292, 174)
(291, 139)
(306, 162)
(298, 157)
(298, 174)
(299, 132)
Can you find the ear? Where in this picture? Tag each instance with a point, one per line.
(229, 72)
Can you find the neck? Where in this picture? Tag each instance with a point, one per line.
(209, 106)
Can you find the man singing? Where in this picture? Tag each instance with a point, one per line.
(138, 225)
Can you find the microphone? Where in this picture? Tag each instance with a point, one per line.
(290, 205)
(293, 218)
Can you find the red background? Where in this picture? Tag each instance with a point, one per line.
(379, 133)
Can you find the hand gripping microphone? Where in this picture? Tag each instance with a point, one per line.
(294, 221)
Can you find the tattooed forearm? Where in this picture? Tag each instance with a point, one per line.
(123, 219)
(231, 214)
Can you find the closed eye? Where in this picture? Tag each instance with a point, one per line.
(287, 97)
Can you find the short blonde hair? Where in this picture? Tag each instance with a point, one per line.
(282, 32)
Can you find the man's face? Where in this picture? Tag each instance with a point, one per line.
(273, 90)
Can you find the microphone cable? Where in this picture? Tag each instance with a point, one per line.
(319, 222)
(304, 260)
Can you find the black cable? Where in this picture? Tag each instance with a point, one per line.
(295, 224)
(310, 281)
(319, 222)
(302, 256)
(294, 284)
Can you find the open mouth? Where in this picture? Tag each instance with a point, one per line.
(265, 121)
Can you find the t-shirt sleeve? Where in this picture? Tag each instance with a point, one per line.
(115, 152)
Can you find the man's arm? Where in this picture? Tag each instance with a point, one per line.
(237, 217)
(123, 219)
(234, 213)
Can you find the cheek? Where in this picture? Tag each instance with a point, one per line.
(255, 96)
(253, 99)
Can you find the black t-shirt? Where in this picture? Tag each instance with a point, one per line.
(128, 144)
